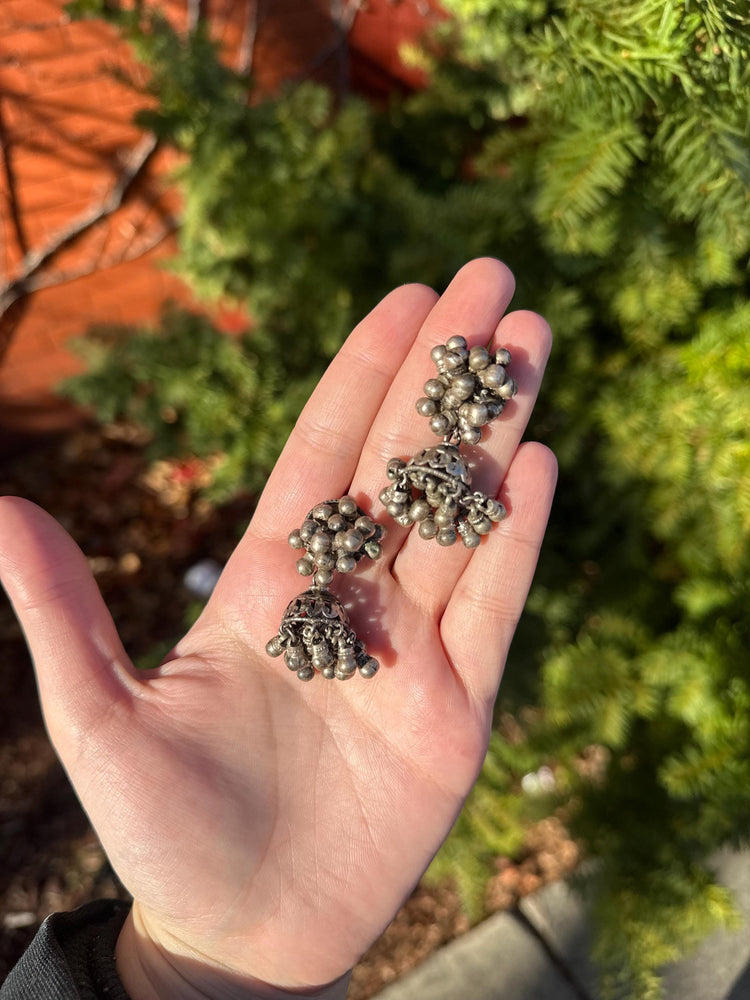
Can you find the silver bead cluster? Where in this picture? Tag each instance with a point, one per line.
(315, 635)
(471, 389)
(335, 535)
(433, 490)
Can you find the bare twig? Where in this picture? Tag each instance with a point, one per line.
(100, 239)
(343, 15)
(37, 259)
(131, 252)
(246, 50)
(6, 150)
(11, 27)
(194, 15)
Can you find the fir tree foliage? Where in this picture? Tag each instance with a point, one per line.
(198, 391)
(602, 150)
(478, 839)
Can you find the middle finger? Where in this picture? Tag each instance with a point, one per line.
(472, 306)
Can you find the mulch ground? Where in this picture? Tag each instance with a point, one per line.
(142, 526)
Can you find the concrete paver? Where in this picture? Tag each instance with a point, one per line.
(503, 958)
(560, 916)
(719, 969)
(498, 959)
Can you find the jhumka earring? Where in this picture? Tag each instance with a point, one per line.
(433, 489)
(315, 635)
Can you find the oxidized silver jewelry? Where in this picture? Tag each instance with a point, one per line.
(433, 488)
(315, 634)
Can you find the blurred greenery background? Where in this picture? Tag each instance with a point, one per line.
(600, 149)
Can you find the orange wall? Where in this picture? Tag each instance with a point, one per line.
(65, 135)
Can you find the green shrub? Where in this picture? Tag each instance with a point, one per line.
(197, 392)
(602, 150)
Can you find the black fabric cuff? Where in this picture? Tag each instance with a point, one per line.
(72, 957)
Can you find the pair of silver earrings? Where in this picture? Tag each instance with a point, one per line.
(431, 489)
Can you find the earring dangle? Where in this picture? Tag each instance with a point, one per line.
(433, 489)
(315, 635)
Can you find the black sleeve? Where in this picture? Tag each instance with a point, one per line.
(72, 957)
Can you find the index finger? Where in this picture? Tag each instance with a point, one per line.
(322, 452)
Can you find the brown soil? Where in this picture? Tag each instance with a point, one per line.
(136, 523)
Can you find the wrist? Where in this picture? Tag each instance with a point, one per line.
(149, 970)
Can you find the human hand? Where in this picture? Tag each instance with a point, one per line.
(269, 829)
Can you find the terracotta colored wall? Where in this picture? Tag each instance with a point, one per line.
(66, 138)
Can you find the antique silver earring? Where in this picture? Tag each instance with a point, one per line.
(433, 489)
(315, 635)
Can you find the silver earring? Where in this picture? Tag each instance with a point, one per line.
(433, 489)
(315, 635)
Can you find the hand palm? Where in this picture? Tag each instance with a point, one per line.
(251, 814)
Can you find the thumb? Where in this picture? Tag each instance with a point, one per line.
(81, 666)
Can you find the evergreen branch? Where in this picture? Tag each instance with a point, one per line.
(584, 170)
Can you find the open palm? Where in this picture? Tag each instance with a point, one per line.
(264, 826)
